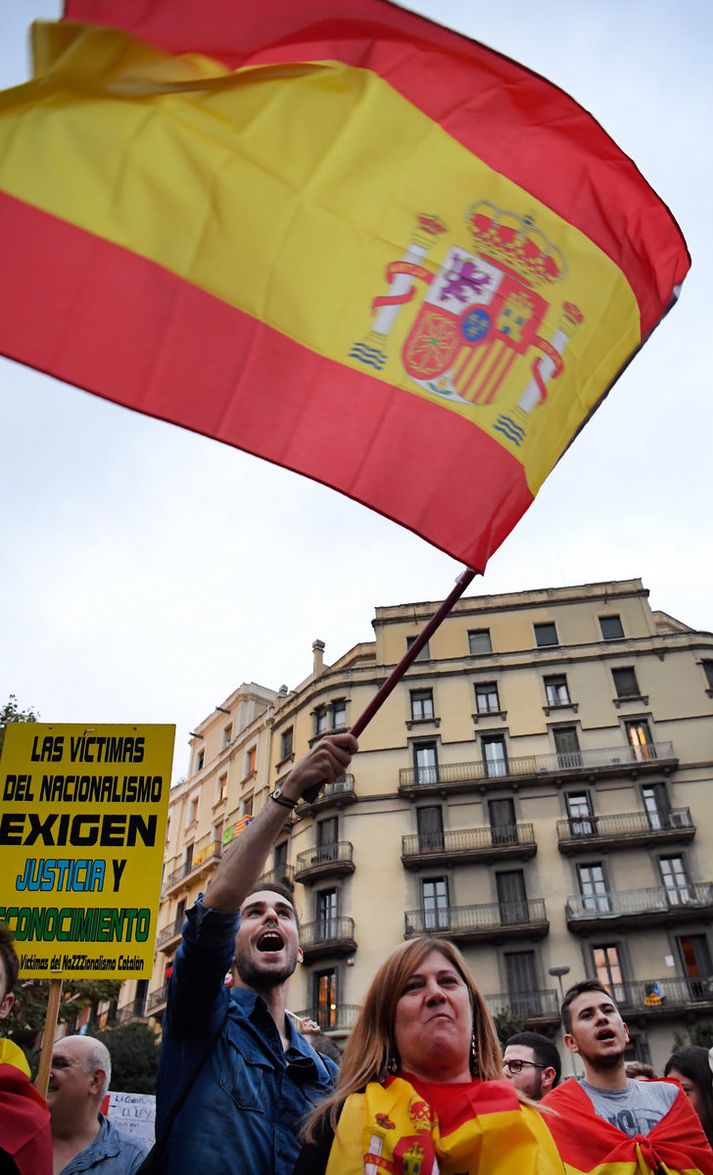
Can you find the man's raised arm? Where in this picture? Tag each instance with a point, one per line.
(245, 860)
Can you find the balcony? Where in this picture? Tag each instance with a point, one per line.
(594, 763)
(333, 860)
(640, 907)
(494, 922)
(156, 1001)
(129, 1015)
(464, 845)
(337, 794)
(536, 1009)
(327, 937)
(282, 874)
(662, 999)
(204, 859)
(339, 1018)
(582, 834)
(169, 936)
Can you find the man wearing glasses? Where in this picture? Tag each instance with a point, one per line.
(532, 1063)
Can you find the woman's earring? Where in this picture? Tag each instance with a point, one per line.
(473, 1055)
(391, 1064)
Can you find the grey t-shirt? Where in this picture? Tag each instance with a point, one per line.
(636, 1109)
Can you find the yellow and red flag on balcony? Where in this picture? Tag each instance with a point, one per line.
(340, 237)
(590, 1145)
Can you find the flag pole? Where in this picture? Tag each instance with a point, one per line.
(464, 579)
(48, 1035)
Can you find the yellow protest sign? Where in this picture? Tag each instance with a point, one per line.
(82, 832)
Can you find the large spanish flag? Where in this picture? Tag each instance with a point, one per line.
(589, 1145)
(337, 236)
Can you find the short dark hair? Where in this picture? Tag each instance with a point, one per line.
(692, 1062)
(544, 1049)
(8, 954)
(273, 887)
(640, 1069)
(571, 994)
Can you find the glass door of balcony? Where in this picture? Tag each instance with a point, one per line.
(695, 958)
(593, 888)
(429, 821)
(502, 822)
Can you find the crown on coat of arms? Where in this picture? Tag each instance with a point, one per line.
(515, 242)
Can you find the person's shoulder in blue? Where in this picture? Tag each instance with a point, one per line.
(83, 1140)
(236, 1077)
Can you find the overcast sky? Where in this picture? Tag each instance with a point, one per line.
(148, 571)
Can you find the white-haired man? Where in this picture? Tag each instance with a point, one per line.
(82, 1138)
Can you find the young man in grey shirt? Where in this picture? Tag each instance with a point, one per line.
(596, 1115)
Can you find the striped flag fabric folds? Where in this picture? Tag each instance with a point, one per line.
(339, 237)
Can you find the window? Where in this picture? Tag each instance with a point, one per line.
(279, 860)
(708, 670)
(675, 879)
(320, 720)
(556, 690)
(325, 998)
(426, 762)
(221, 788)
(522, 985)
(200, 760)
(192, 811)
(286, 743)
(608, 969)
(625, 683)
(424, 654)
(227, 734)
(579, 811)
(434, 903)
(339, 712)
(512, 898)
(639, 738)
(696, 962)
(494, 755)
(429, 821)
(479, 641)
(142, 991)
(567, 747)
(421, 704)
(188, 860)
(593, 888)
(328, 831)
(545, 634)
(250, 760)
(657, 806)
(486, 697)
(503, 826)
(327, 912)
(246, 806)
(611, 628)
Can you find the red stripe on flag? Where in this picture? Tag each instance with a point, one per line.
(516, 121)
(112, 322)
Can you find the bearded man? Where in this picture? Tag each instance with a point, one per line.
(251, 1076)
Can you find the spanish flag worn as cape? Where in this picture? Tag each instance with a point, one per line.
(392, 1127)
(589, 1145)
(332, 234)
(24, 1116)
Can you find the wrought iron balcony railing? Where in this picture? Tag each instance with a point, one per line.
(530, 1005)
(335, 1018)
(326, 931)
(157, 998)
(206, 856)
(170, 931)
(661, 995)
(632, 902)
(624, 825)
(322, 856)
(463, 841)
(591, 759)
(478, 921)
(285, 874)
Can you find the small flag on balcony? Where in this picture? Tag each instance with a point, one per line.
(342, 238)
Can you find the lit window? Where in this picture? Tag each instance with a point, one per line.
(250, 760)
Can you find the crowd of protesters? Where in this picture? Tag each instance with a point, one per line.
(422, 1084)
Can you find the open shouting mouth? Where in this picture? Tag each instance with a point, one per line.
(270, 941)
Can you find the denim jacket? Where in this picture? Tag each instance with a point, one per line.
(245, 1108)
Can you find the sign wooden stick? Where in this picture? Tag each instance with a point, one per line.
(48, 1035)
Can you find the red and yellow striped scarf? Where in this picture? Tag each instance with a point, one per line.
(484, 1130)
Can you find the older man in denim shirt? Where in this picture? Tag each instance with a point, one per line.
(257, 1076)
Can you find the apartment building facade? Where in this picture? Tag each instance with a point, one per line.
(537, 788)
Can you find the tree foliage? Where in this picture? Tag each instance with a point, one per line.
(507, 1024)
(700, 1034)
(27, 1017)
(11, 712)
(134, 1053)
